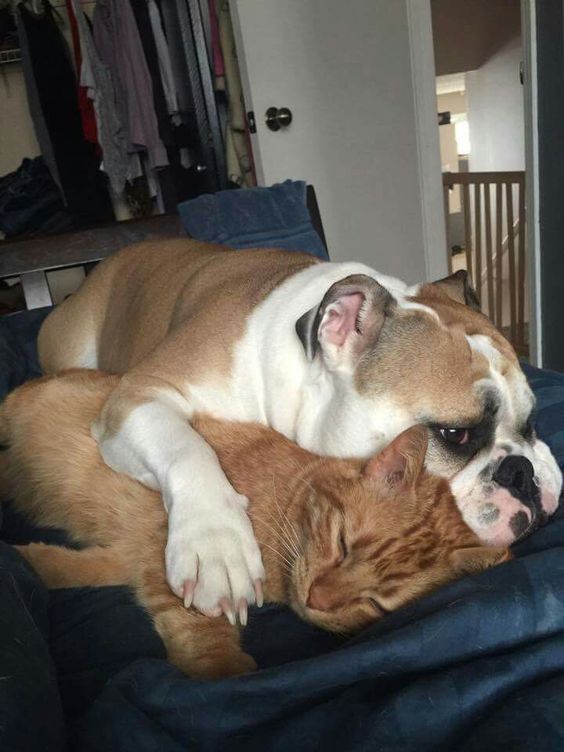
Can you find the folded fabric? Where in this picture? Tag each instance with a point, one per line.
(273, 217)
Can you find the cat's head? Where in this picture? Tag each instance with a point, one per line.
(374, 536)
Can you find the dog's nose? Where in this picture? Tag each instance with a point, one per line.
(516, 473)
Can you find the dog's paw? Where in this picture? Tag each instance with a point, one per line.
(213, 561)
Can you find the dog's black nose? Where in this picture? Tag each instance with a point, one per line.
(516, 473)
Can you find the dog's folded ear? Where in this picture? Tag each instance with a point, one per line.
(459, 288)
(348, 320)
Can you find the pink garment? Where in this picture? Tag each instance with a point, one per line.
(218, 64)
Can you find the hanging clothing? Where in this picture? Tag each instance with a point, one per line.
(237, 147)
(141, 12)
(165, 63)
(52, 93)
(35, 108)
(119, 46)
(85, 104)
(96, 78)
(217, 54)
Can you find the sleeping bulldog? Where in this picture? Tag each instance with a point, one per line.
(335, 356)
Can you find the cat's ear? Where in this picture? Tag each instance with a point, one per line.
(347, 321)
(402, 461)
(476, 558)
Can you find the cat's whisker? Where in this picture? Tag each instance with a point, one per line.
(283, 530)
(290, 550)
(287, 526)
(288, 562)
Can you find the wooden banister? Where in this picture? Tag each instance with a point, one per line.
(494, 243)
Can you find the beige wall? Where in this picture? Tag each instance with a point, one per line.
(17, 137)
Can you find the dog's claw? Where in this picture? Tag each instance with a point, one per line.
(259, 593)
(243, 612)
(227, 608)
(188, 592)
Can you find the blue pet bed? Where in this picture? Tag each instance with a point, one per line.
(476, 666)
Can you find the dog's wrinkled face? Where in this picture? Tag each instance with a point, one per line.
(427, 358)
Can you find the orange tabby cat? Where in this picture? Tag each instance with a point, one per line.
(343, 541)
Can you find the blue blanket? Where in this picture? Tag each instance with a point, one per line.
(476, 666)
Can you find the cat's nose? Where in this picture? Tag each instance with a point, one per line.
(319, 597)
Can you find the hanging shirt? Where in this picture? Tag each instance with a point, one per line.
(85, 104)
(119, 46)
(95, 77)
(165, 64)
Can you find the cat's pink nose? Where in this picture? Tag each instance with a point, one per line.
(319, 597)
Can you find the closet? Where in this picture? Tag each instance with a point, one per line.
(112, 109)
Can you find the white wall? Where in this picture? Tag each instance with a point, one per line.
(495, 112)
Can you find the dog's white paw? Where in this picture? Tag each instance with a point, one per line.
(213, 561)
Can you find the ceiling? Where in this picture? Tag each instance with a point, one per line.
(466, 33)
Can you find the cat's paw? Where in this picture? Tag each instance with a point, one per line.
(213, 561)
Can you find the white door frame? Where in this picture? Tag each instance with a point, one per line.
(528, 27)
(428, 144)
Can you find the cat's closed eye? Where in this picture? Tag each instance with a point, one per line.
(375, 603)
(343, 548)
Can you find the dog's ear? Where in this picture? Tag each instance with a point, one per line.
(348, 320)
(459, 288)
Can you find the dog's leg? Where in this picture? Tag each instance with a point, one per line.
(211, 553)
(201, 647)
(61, 567)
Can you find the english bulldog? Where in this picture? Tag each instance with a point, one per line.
(336, 356)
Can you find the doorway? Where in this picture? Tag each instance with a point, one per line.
(480, 99)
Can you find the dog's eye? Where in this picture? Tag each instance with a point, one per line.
(457, 436)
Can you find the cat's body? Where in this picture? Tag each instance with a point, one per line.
(343, 541)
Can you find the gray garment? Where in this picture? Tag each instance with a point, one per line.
(35, 109)
(165, 65)
(96, 78)
(118, 43)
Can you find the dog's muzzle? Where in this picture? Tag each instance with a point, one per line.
(516, 474)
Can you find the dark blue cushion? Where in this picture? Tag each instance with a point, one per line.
(273, 217)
